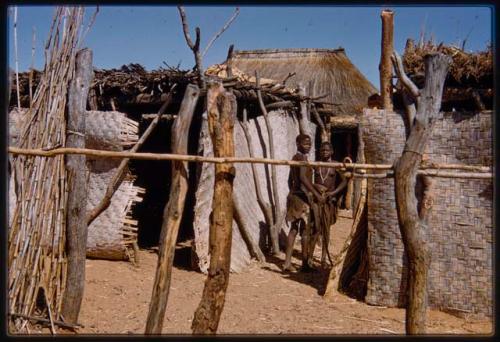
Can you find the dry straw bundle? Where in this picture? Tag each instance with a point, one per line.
(36, 250)
(467, 69)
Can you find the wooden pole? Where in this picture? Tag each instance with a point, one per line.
(385, 66)
(436, 170)
(76, 229)
(266, 208)
(412, 223)
(172, 214)
(221, 108)
(278, 217)
(304, 115)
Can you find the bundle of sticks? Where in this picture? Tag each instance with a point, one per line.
(36, 238)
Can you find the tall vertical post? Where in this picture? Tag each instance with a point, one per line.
(172, 214)
(385, 66)
(221, 109)
(76, 229)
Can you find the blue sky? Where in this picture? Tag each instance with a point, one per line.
(150, 35)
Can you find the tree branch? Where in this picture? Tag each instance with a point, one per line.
(185, 27)
(400, 73)
(195, 47)
(266, 209)
(278, 218)
(224, 28)
(229, 61)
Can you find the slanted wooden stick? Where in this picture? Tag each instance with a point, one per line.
(266, 209)
(278, 217)
(221, 31)
(44, 320)
(17, 60)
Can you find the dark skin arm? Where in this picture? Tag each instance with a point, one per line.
(341, 187)
(308, 185)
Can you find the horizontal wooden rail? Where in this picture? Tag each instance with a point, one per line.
(435, 170)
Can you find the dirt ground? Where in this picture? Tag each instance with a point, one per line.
(262, 300)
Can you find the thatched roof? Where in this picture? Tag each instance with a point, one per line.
(331, 70)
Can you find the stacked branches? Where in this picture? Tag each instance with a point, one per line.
(131, 84)
(37, 262)
(469, 83)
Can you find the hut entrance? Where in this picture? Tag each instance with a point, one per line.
(345, 144)
(155, 177)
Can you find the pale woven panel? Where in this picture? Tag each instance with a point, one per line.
(111, 234)
(110, 131)
(285, 129)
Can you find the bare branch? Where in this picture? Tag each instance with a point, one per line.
(17, 61)
(324, 135)
(266, 209)
(185, 27)
(91, 22)
(290, 74)
(398, 66)
(31, 67)
(194, 47)
(278, 217)
(409, 103)
(229, 61)
(224, 28)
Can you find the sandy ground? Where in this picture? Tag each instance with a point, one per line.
(262, 300)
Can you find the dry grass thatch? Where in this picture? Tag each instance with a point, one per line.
(333, 72)
(468, 69)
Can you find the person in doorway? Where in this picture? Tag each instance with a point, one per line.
(326, 182)
(302, 194)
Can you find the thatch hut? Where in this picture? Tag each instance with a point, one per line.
(323, 72)
(330, 71)
(340, 91)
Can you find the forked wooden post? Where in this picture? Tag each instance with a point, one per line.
(221, 109)
(172, 214)
(412, 223)
(76, 228)
(385, 66)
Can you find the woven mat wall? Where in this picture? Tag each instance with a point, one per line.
(461, 230)
(112, 234)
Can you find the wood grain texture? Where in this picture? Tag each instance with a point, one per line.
(221, 109)
(172, 213)
(76, 231)
(413, 228)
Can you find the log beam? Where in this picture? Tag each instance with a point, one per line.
(172, 213)
(221, 109)
(385, 66)
(76, 224)
(413, 225)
